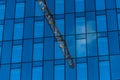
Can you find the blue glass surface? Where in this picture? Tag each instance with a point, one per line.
(82, 71)
(59, 6)
(18, 31)
(17, 53)
(104, 70)
(119, 21)
(38, 52)
(100, 4)
(38, 12)
(81, 48)
(118, 3)
(38, 29)
(15, 74)
(1, 32)
(103, 46)
(2, 12)
(60, 25)
(80, 25)
(37, 73)
(79, 5)
(101, 23)
(59, 72)
(19, 10)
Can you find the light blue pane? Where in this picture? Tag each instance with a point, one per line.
(38, 11)
(19, 10)
(79, 5)
(38, 31)
(81, 48)
(15, 74)
(59, 6)
(58, 52)
(119, 21)
(59, 72)
(37, 73)
(2, 12)
(101, 23)
(60, 25)
(103, 46)
(80, 25)
(38, 52)
(18, 31)
(100, 4)
(16, 54)
(82, 71)
(1, 32)
(104, 71)
(118, 3)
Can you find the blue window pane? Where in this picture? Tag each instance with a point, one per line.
(59, 72)
(60, 25)
(101, 23)
(0, 53)
(104, 70)
(118, 3)
(100, 4)
(19, 10)
(81, 48)
(59, 6)
(2, 12)
(38, 31)
(16, 54)
(119, 21)
(79, 5)
(37, 73)
(15, 74)
(18, 31)
(80, 25)
(58, 52)
(103, 46)
(38, 11)
(38, 52)
(1, 32)
(82, 71)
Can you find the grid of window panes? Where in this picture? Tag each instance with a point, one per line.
(29, 51)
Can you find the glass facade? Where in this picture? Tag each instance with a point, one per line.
(29, 51)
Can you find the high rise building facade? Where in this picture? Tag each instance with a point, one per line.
(29, 50)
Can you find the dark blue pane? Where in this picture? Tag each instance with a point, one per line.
(104, 70)
(18, 31)
(119, 21)
(38, 31)
(100, 4)
(59, 72)
(15, 74)
(80, 25)
(17, 53)
(115, 67)
(2, 12)
(59, 6)
(101, 23)
(38, 52)
(37, 73)
(81, 48)
(82, 71)
(102, 46)
(79, 5)
(19, 10)
(1, 32)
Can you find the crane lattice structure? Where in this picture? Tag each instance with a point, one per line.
(51, 21)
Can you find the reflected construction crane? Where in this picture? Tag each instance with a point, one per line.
(51, 21)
